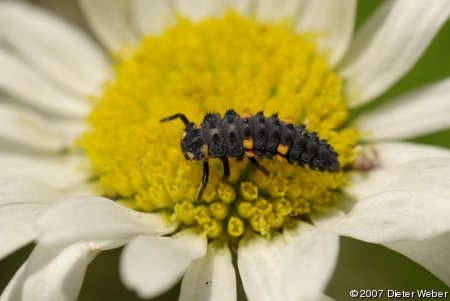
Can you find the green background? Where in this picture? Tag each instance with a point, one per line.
(360, 265)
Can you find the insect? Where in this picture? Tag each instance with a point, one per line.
(252, 136)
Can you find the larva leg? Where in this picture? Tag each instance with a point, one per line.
(179, 115)
(257, 165)
(204, 179)
(226, 170)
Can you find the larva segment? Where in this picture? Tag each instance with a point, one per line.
(211, 128)
(230, 132)
(274, 126)
(260, 133)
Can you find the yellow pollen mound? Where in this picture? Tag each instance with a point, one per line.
(211, 66)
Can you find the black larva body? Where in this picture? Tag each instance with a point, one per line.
(225, 138)
(257, 135)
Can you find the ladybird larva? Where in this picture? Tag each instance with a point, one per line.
(252, 137)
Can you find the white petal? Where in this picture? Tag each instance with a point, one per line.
(59, 172)
(432, 253)
(56, 273)
(110, 22)
(428, 175)
(395, 153)
(152, 17)
(408, 201)
(296, 266)
(389, 44)
(243, 7)
(314, 252)
(21, 203)
(260, 266)
(68, 129)
(210, 278)
(417, 113)
(13, 291)
(333, 21)
(391, 216)
(17, 225)
(18, 79)
(24, 127)
(276, 10)
(152, 265)
(59, 50)
(97, 218)
(325, 298)
(197, 10)
(27, 192)
(16, 220)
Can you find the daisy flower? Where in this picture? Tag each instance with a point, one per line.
(87, 166)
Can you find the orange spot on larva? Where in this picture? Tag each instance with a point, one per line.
(248, 143)
(282, 149)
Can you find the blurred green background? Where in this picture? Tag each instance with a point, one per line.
(360, 265)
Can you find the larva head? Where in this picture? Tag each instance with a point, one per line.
(193, 144)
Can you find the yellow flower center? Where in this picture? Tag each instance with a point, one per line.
(218, 64)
